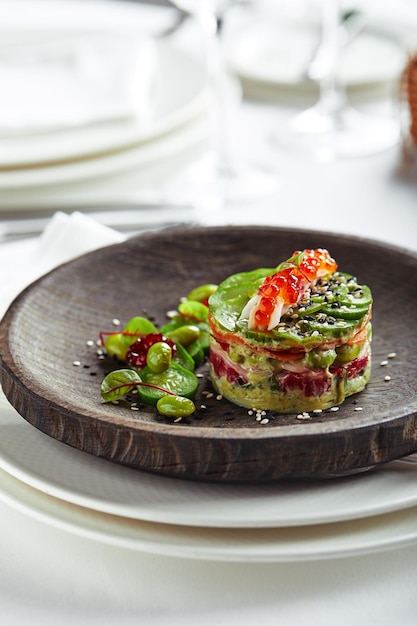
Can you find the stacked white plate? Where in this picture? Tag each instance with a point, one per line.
(105, 502)
(89, 92)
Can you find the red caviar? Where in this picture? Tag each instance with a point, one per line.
(138, 351)
(287, 284)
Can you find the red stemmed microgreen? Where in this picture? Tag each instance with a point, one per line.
(120, 382)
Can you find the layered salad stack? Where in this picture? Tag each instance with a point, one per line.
(292, 338)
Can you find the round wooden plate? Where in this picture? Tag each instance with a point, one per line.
(47, 328)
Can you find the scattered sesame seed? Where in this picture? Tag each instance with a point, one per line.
(219, 397)
(177, 419)
(90, 343)
(200, 375)
(203, 406)
(358, 408)
(76, 363)
(258, 418)
(134, 408)
(115, 321)
(384, 363)
(101, 357)
(250, 412)
(100, 352)
(391, 355)
(387, 378)
(317, 411)
(265, 420)
(209, 395)
(171, 314)
(334, 409)
(303, 416)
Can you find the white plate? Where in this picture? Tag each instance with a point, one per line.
(168, 145)
(179, 95)
(87, 481)
(324, 541)
(275, 52)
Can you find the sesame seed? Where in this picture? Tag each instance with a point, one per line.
(171, 314)
(250, 412)
(334, 409)
(358, 408)
(90, 343)
(387, 378)
(203, 406)
(384, 363)
(219, 397)
(115, 321)
(303, 416)
(317, 411)
(258, 418)
(200, 375)
(100, 352)
(265, 420)
(134, 408)
(391, 355)
(177, 419)
(76, 363)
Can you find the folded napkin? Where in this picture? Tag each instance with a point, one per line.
(64, 238)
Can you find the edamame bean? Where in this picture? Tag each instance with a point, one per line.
(115, 345)
(159, 357)
(185, 335)
(175, 406)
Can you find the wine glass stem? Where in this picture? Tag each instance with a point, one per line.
(218, 84)
(332, 92)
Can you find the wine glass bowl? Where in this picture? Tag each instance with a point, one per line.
(332, 128)
(220, 177)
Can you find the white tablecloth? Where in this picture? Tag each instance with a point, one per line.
(50, 576)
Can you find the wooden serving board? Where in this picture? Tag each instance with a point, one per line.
(48, 326)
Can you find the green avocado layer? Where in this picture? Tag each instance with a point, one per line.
(335, 310)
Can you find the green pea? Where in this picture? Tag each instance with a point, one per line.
(159, 357)
(175, 406)
(185, 334)
(202, 292)
(115, 345)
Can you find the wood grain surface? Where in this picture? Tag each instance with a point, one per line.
(47, 328)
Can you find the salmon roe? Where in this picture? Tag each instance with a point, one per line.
(288, 283)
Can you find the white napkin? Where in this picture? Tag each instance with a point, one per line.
(64, 238)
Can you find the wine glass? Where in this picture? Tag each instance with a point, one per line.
(332, 128)
(220, 178)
